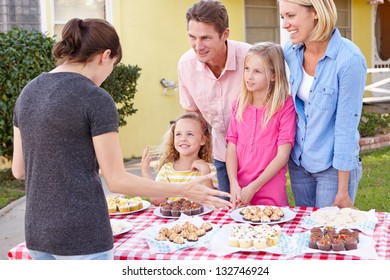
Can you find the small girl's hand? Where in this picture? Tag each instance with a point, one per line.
(247, 194)
(235, 192)
(201, 166)
(145, 163)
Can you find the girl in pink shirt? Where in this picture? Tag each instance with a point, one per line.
(261, 130)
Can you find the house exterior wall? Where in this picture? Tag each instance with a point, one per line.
(153, 35)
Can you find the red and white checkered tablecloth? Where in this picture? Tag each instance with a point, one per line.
(129, 247)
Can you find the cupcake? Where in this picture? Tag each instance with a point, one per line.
(260, 242)
(233, 240)
(277, 230)
(324, 244)
(112, 207)
(137, 202)
(316, 231)
(355, 234)
(338, 244)
(272, 239)
(176, 211)
(196, 209)
(133, 206)
(186, 210)
(350, 243)
(166, 210)
(123, 208)
(314, 238)
(245, 241)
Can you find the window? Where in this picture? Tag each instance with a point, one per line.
(262, 20)
(22, 13)
(344, 17)
(64, 10)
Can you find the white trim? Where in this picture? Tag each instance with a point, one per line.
(42, 7)
(108, 12)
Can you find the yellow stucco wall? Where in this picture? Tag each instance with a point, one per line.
(154, 36)
(361, 27)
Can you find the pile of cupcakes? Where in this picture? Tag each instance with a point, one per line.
(123, 204)
(176, 208)
(179, 233)
(258, 237)
(329, 239)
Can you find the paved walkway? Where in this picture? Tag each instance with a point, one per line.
(12, 218)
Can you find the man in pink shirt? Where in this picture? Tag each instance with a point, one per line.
(210, 74)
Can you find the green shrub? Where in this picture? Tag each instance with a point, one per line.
(122, 86)
(23, 56)
(373, 123)
(26, 54)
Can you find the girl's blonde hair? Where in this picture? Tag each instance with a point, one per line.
(327, 17)
(271, 54)
(168, 153)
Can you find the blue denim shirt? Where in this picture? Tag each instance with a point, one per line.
(327, 130)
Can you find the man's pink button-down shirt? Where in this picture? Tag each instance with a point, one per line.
(201, 91)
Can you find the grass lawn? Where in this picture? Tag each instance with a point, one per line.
(374, 188)
(373, 193)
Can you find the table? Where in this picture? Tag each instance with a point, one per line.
(129, 247)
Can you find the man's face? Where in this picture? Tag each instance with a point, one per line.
(206, 42)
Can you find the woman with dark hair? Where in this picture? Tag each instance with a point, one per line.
(65, 130)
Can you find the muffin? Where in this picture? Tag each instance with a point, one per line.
(324, 244)
(166, 210)
(123, 208)
(260, 242)
(338, 244)
(196, 209)
(277, 230)
(245, 241)
(272, 239)
(350, 243)
(314, 238)
(233, 240)
(355, 234)
(176, 211)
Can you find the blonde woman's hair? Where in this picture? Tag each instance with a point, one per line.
(271, 54)
(326, 13)
(167, 151)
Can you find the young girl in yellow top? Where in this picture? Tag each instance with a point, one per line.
(187, 153)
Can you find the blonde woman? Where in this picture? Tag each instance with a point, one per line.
(261, 130)
(327, 77)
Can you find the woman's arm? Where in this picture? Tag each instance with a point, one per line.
(109, 156)
(342, 199)
(17, 159)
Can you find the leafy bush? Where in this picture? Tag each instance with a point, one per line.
(26, 54)
(373, 123)
(121, 85)
(23, 56)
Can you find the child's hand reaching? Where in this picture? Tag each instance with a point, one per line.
(145, 163)
(235, 192)
(201, 166)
